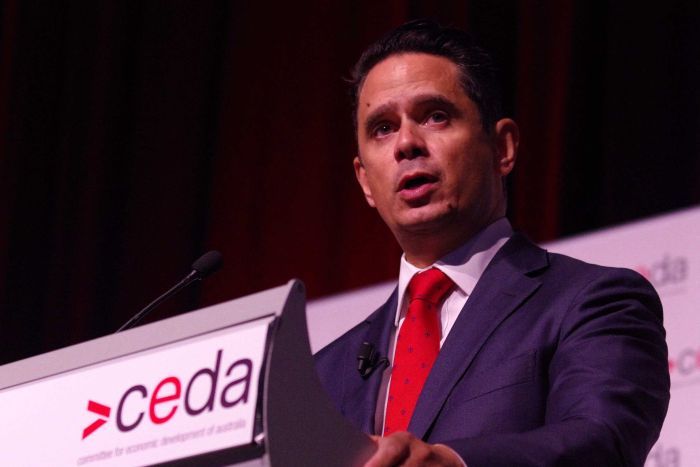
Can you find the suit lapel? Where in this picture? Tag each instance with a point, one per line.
(501, 289)
(360, 394)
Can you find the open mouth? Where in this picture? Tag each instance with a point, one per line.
(413, 182)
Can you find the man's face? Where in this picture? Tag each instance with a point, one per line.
(425, 161)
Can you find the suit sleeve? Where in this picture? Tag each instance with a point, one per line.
(608, 384)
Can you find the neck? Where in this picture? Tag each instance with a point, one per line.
(423, 249)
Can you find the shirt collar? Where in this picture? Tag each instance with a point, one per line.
(465, 265)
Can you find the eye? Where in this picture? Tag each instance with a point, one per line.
(437, 117)
(382, 129)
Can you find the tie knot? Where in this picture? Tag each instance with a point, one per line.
(431, 285)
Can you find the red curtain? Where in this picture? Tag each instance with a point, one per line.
(136, 136)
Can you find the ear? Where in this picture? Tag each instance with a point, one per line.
(361, 176)
(506, 139)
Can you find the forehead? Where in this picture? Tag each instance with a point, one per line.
(398, 77)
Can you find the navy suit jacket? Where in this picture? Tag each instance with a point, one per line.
(552, 361)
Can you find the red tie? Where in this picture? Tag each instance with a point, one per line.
(417, 346)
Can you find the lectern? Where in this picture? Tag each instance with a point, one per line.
(230, 384)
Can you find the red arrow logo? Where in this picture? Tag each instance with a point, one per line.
(99, 409)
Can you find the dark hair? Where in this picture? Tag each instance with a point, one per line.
(478, 72)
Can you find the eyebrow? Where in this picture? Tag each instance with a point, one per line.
(376, 116)
(422, 100)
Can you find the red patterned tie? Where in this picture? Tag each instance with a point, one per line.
(417, 346)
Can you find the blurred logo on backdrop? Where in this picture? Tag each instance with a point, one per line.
(665, 272)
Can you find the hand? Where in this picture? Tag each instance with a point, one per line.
(405, 449)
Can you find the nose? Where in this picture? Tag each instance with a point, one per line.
(410, 143)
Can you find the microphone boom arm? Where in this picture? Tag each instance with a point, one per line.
(205, 265)
(191, 277)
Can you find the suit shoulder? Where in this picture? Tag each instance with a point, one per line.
(357, 333)
(563, 270)
(340, 345)
(567, 278)
(604, 287)
(579, 270)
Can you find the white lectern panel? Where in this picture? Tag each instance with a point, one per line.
(170, 402)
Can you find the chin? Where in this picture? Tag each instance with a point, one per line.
(428, 222)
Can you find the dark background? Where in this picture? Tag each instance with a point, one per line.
(134, 136)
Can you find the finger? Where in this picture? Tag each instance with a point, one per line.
(445, 456)
(392, 450)
(420, 454)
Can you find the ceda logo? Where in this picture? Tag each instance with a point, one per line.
(686, 362)
(669, 270)
(140, 404)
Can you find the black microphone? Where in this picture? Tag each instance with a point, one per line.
(368, 361)
(206, 264)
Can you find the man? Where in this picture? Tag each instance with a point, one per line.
(496, 352)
